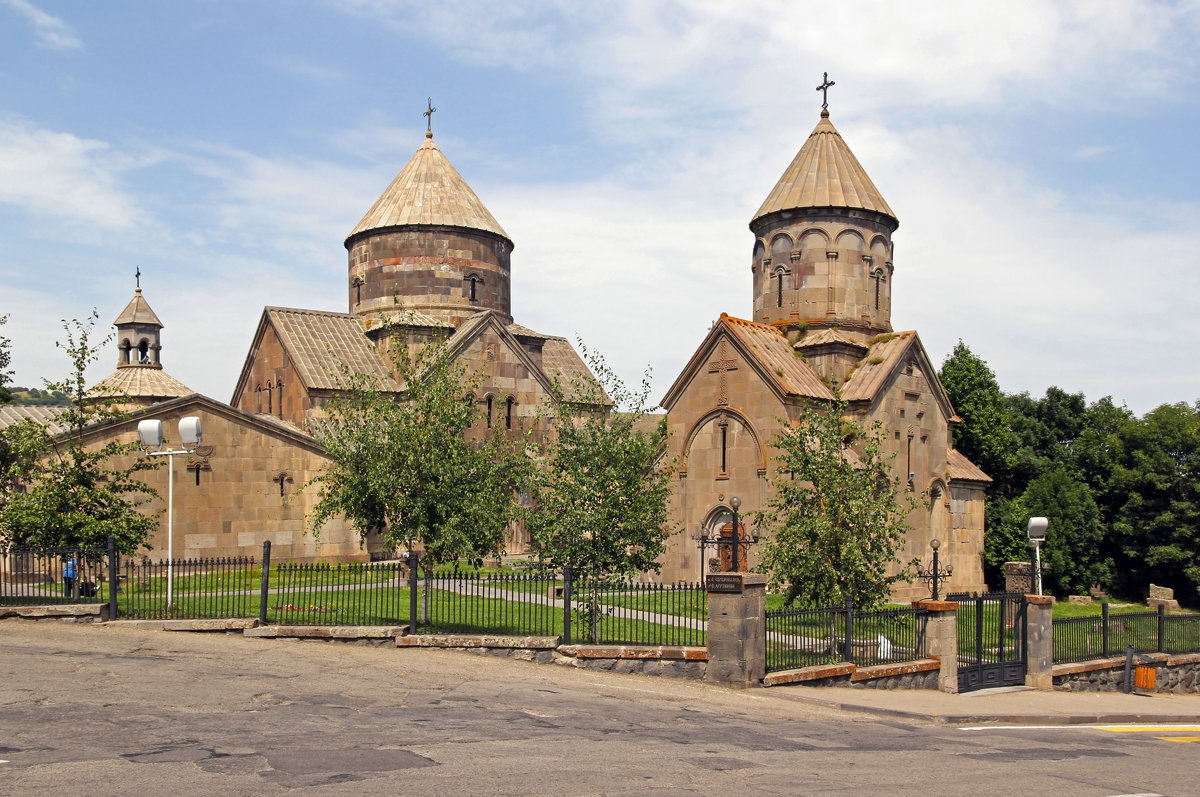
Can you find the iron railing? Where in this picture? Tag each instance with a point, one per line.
(38, 576)
(200, 589)
(1112, 633)
(805, 637)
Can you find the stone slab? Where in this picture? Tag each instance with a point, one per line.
(477, 641)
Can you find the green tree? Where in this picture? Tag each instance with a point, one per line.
(1072, 553)
(404, 464)
(1156, 528)
(837, 516)
(5, 361)
(600, 503)
(985, 435)
(602, 490)
(77, 494)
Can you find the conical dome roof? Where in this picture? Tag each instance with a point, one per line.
(428, 191)
(825, 174)
(137, 312)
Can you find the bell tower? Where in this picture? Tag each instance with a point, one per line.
(823, 249)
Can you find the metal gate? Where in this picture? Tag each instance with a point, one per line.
(991, 640)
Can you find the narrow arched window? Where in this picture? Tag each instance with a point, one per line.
(473, 283)
(489, 412)
(779, 290)
(508, 412)
(143, 352)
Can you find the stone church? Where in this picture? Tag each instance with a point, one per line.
(430, 258)
(820, 326)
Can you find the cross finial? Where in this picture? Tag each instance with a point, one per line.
(428, 114)
(824, 89)
(137, 278)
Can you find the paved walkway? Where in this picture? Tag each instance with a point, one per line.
(1011, 706)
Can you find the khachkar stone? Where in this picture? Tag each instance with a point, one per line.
(1164, 597)
(1018, 577)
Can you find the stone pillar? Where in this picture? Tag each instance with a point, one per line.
(1039, 642)
(941, 640)
(737, 623)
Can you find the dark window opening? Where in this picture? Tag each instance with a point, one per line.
(143, 352)
(724, 446)
(779, 290)
(473, 281)
(489, 412)
(508, 412)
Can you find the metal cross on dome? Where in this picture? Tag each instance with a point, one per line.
(137, 276)
(824, 89)
(428, 114)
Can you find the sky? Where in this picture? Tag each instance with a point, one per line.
(1041, 157)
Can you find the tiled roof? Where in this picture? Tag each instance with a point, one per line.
(11, 414)
(772, 350)
(140, 381)
(137, 312)
(824, 173)
(873, 369)
(321, 344)
(962, 468)
(429, 191)
(823, 336)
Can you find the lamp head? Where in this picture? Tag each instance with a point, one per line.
(1037, 529)
(189, 431)
(935, 543)
(150, 434)
(736, 503)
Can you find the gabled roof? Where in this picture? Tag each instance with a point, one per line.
(322, 346)
(882, 362)
(137, 312)
(766, 350)
(560, 361)
(140, 381)
(428, 191)
(824, 336)
(963, 469)
(12, 414)
(825, 174)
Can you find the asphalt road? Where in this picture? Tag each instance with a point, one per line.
(104, 710)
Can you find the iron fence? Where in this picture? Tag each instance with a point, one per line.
(45, 576)
(634, 613)
(188, 589)
(449, 599)
(1112, 633)
(463, 600)
(806, 637)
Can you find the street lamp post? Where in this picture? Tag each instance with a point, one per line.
(736, 539)
(150, 434)
(932, 575)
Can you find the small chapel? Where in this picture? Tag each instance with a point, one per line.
(819, 328)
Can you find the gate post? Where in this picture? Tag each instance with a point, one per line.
(737, 624)
(941, 640)
(1039, 642)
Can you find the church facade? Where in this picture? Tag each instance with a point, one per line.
(819, 329)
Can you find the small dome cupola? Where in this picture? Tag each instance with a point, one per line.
(429, 245)
(823, 241)
(139, 333)
(139, 380)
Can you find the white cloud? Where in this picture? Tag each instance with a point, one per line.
(64, 176)
(52, 32)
